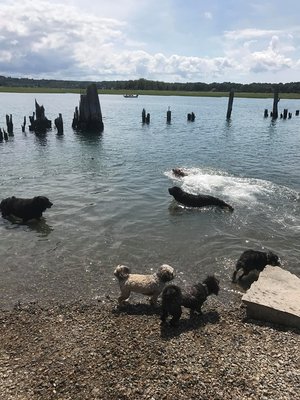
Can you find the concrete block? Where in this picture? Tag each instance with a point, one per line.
(274, 297)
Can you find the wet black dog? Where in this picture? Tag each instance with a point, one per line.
(193, 200)
(193, 297)
(25, 209)
(254, 259)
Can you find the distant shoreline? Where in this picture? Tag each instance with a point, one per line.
(12, 89)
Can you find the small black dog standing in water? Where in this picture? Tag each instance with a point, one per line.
(193, 297)
(254, 259)
(25, 209)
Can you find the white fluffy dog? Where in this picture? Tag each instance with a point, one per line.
(149, 285)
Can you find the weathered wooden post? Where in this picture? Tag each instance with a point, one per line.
(88, 117)
(1, 135)
(297, 113)
(5, 135)
(266, 113)
(169, 115)
(144, 116)
(230, 102)
(275, 105)
(148, 119)
(59, 124)
(289, 115)
(191, 117)
(285, 113)
(9, 124)
(24, 124)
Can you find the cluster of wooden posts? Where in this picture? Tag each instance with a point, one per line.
(88, 116)
(146, 117)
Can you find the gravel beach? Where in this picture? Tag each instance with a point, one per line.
(96, 351)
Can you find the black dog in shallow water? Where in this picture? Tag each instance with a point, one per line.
(200, 200)
(253, 259)
(25, 209)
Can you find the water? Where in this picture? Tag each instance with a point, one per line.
(111, 201)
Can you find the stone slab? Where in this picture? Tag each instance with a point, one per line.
(274, 297)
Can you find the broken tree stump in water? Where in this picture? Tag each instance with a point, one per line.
(38, 121)
(88, 117)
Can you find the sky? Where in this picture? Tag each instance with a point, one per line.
(240, 41)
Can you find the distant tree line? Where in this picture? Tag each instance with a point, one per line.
(144, 84)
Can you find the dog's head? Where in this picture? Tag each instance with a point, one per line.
(272, 259)
(178, 172)
(175, 190)
(42, 203)
(122, 272)
(212, 284)
(165, 273)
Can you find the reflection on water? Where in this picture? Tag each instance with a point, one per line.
(111, 200)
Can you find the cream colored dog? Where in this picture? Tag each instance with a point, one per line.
(149, 285)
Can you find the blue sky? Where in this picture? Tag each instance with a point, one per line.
(168, 40)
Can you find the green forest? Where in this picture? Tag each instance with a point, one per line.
(144, 84)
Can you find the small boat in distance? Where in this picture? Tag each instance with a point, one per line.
(131, 96)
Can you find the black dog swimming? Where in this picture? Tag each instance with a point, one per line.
(26, 209)
(197, 200)
(254, 259)
(193, 297)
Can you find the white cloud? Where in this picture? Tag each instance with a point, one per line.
(208, 15)
(48, 40)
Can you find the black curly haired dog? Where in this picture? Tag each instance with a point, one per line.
(25, 209)
(193, 297)
(197, 200)
(254, 259)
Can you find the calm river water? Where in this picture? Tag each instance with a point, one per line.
(111, 200)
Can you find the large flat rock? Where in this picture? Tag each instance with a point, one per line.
(274, 297)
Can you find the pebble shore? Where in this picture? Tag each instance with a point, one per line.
(97, 351)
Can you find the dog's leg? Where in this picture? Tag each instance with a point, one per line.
(233, 280)
(153, 300)
(164, 315)
(176, 317)
(124, 296)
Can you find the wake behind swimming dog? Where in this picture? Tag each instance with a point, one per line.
(199, 200)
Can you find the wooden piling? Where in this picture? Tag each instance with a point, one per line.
(266, 113)
(1, 135)
(297, 113)
(148, 119)
(285, 113)
(24, 124)
(191, 117)
(9, 124)
(230, 102)
(169, 116)
(144, 116)
(275, 104)
(289, 115)
(59, 124)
